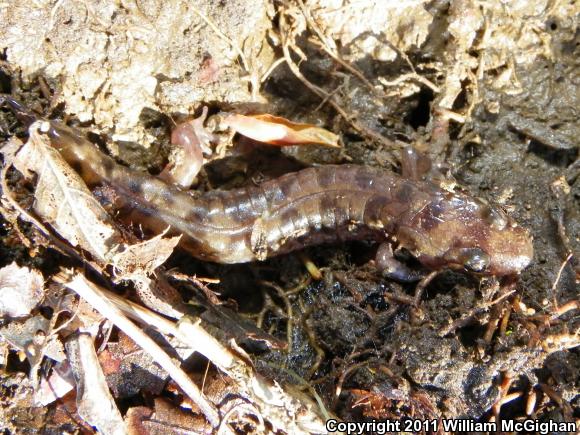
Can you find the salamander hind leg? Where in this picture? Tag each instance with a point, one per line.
(392, 268)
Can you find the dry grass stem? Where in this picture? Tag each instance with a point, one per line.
(99, 301)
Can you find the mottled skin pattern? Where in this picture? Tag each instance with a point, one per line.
(316, 205)
(330, 203)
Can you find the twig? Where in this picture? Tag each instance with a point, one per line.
(568, 306)
(556, 397)
(286, 43)
(320, 354)
(99, 301)
(558, 342)
(470, 316)
(310, 388)
(325, 44)
(499, 298)
(186, 331)
(510, 397)
(272, 401)
(344, 374)
(301, 286)
(410, 76)
(492, 324)
(503, 390)
(267, 305)
(272, 67)
(422, 285)
(505, 320)
(289, 315)
(312, 269)
(557, 280)
(531, 401)
(560, 189)
(400, 298)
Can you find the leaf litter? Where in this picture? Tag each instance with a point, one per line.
(63, 199)
(21, 290)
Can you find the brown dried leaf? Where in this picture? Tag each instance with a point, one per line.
(138, 262)
(164, 418)
(21, 289)
(275, 130)
(33, 337)
(63, 199)
(130, 370)
(95, 404)
(141, 259)
(57, 385)
(159, 295)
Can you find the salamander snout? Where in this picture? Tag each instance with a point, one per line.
(511, 250)
(464, 233)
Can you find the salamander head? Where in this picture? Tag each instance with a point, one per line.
(461, 232)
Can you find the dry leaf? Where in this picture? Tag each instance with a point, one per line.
(57, 385)
(137, 262)
(143, 258)
(32, 337)
(130, 370)
(280, 131)
(95, 404)
(21, 289)
(62, 198)
(164, 418)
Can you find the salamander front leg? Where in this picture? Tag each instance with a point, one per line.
(193, 141)
(392, 268)
(414, 164)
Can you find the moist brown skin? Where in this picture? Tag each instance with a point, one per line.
(316, 205)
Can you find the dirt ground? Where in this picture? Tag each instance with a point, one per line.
(490, 91)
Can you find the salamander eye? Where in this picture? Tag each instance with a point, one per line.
(495, 217)
(476, 260)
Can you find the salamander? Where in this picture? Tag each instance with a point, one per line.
(329, 203)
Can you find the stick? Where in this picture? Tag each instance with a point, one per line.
(95, 297)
